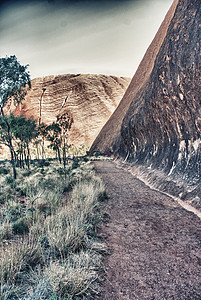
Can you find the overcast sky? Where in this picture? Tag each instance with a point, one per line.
(80, 36)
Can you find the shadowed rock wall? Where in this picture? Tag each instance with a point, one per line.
(162, 126)
(91, 99)
(108, 141)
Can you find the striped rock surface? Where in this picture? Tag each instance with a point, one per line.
(90, 99)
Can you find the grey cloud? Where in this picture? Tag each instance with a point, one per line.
(80, 36)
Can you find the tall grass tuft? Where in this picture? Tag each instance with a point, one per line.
(48, 221)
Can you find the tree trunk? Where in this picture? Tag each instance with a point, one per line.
(43, 149)
(10, 145)
(21, 157)
(28, 157)
(64, 156)
(37, 152)
(59, 155)
(13, 163)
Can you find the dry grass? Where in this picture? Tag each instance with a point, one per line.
(72, 278)
(48, 237)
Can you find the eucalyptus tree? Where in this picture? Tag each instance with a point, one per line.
(57, 134)
(65, 122)
(25, 131)
(55, 138)
(43, 132)
(13, 79)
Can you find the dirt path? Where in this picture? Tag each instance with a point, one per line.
(156, 243)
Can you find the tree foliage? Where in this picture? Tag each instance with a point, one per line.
(65, 122)
(13, 78)
(18, 132)
(22, 132)
(55, 138)
(58, 135)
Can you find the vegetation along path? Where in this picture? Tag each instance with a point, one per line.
(155, 243)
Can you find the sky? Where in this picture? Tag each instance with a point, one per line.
(80, 36)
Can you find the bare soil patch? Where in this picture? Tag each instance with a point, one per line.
(156, 244)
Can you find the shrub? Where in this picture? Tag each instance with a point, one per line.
(73, 278)
(5, 231)
(43, 163)
(4, 171)
(26, 173)
(7, 194)
(85, 159)
(97, 153)
(20, 257)
(75, 163)
(20, 191)
(102, 196)
(42, 171)
(11, 181)
(60, 171)
(65, 233)
(20, 227)
(13, 213)
(38, 286)
(2, 198)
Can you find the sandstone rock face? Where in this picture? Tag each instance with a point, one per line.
(90, 99)
(108, 141)
(160, 123)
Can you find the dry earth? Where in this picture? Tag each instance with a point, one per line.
(155, 243)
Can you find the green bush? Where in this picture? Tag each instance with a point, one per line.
(85, 159)
(11, 181)
(20, 191)
(67, 188)
(2, 198)
(75, 163)
(102, 196)
(26, 173)
(20, 227)
(5, 231)
(49, 183)
(4, 171)
(97, 153)
(43, 163)
(60, 171)
(13, 213)
(42, 171)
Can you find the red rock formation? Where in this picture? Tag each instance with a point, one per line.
(106, 141)
(91, 99)
(158, 122)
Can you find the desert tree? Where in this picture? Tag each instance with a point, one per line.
(6, 137)
(55, 138)
(65, 122)
(13, 79)
(25, 131)
(22, 132)
(42, 136)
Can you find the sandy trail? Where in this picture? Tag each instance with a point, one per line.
(156, 243)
